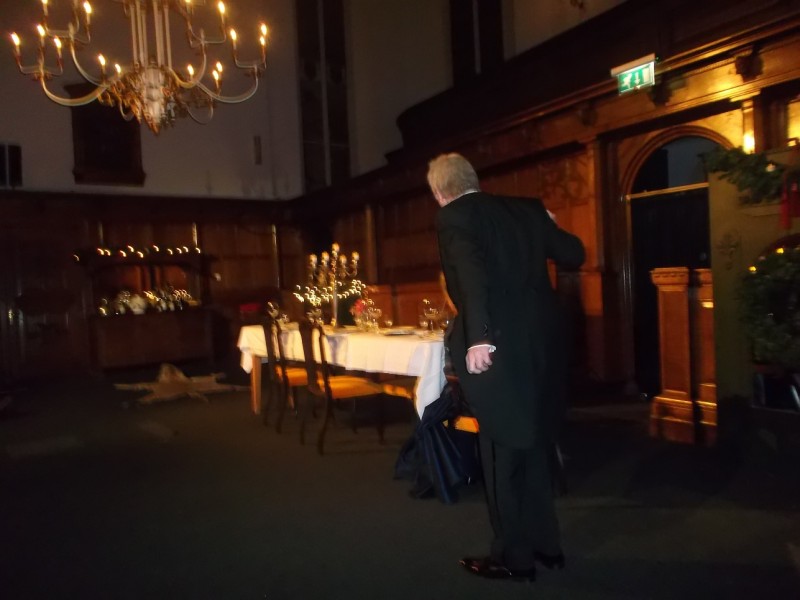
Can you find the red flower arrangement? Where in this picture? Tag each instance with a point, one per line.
(358, 308)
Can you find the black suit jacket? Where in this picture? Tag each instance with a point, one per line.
(494, 252)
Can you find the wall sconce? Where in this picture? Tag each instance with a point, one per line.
(749, 142)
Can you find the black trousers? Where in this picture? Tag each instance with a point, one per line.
(519, 493)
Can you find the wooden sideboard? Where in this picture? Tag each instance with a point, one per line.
(154, 337)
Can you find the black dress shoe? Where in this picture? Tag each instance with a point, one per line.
(550, 561)
(491, 569)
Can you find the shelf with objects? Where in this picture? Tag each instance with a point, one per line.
(148, 305)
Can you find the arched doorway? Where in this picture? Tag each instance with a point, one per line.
(669, 226)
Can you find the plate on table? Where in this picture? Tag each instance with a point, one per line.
(398, 331)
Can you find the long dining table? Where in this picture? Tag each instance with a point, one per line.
(394, 351)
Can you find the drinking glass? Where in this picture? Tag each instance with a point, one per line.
(432, 315)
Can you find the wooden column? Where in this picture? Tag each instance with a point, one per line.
(686, 408)
(671, 413)
(703, 356)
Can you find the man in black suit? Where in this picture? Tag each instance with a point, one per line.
(508, 349)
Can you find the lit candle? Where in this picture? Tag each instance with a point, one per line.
(343, 260)
(118, 69)
(87, 9)
(221, 8)
(102, 60)
(57, 43)
(325, 258)
(313, 260)
(15, 39)
(233, 38)
(41, 31)
(44, 7)
(355, 257)
(190, 70)
(218, 66)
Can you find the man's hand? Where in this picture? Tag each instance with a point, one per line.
(479, 359)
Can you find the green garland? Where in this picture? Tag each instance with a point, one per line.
(770, 307)
(760, 179)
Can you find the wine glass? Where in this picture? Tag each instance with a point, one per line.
(432, 315)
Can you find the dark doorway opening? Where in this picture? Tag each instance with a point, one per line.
(669, 228)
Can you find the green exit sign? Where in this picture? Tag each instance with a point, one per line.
(636, 74)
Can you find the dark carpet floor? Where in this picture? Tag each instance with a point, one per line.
(192, 500)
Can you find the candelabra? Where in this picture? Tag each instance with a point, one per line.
(330, 278)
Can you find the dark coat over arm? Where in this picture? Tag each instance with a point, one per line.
(494, 252)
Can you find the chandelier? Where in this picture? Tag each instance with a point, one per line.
(149, 88)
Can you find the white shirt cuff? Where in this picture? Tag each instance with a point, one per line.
(491, 347)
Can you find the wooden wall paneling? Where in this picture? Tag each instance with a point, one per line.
(529, 181)
(48, 302)
(292, 256)
(118, 234)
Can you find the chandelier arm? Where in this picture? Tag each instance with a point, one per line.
(72, 102)
(73, 32)
(255, 63)
(231, 99)
(128, 116)
(80, 69)
(196, 119)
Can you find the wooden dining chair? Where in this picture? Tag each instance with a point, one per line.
(332, 390)
(282, 379)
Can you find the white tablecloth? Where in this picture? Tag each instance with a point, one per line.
(420, 357)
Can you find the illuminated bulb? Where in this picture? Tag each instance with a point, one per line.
(219, 67)
(749, 142)
(264, 30)
(130, 248)
(233, 35)
(102, 60)
(40, 29)
(15, 39)
(190, 69)
(752, 269)
(779, 251)
(118, 69)
(216, 76)
(57, 43)
(221, 8)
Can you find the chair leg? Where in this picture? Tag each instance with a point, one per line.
(324, 428)
(267, 403)
(284, 388)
